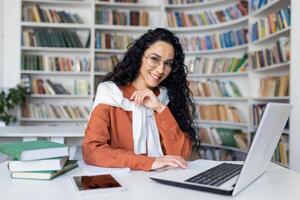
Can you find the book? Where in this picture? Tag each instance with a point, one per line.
(45, 175)
(37, 165)
(34, 150)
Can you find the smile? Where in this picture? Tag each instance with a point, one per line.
(155, 76)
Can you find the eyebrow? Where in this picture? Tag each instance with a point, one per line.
(161, 57)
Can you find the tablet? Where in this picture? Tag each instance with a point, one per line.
(96, 184)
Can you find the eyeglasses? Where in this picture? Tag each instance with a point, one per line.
(154, 60)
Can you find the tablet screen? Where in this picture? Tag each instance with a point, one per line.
(84, 183)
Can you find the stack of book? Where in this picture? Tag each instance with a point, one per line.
(37, 159)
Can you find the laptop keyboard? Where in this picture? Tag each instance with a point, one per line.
(217, 175)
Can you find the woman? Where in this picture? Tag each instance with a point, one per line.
(142, 115)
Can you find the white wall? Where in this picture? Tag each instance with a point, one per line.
(1, 51)
(294, 87)
(10, 70)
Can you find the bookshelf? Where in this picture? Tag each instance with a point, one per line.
(262, 43)
(39, 20)
(214, 80)
(158, 17)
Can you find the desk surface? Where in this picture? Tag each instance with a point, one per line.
(277, 183)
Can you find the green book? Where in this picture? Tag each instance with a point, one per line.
(45, 175)
(34, 150)
(226, 136)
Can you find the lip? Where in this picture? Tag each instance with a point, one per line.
(155, 76)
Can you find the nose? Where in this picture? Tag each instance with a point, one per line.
(160, 68)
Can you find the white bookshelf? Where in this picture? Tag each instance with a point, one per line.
(86, 9)
(159, 10)
(271, 70)
(237, 77)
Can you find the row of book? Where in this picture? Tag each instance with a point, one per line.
(217, 112)
(121, 17)
(112, 41)
(187, 1)
(126, 1)
(274, 86)
(257, 112)
(208, 65)
(225, 137)
(40, 86)
(281, 154)
(105, 63)
(220, 154)
(37, 14)
(42, 159)
(278, 53)
(208, 17)
(45, 37)
(44, 110)
(48, 63)
(227, 39)
(121, 1)
(272, 23)
(257, 4)
(214, 88)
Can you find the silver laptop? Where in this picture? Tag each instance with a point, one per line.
(228, 178)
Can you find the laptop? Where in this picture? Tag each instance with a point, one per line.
(229, 178)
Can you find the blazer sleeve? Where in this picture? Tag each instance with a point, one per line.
(174, 141)
(96, 148)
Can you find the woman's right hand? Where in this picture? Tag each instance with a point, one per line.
(169, 161)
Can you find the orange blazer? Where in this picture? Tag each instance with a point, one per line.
(108, 138)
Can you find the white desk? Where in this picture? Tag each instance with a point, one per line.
(29, 133)
(277, 184)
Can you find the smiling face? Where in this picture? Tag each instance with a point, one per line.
(156, 65)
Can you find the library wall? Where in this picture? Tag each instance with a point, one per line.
(11, 43)
(1, 43)
(295, 98)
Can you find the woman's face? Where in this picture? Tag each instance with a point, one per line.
(156, 65)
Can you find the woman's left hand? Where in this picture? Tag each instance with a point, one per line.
(147, 98)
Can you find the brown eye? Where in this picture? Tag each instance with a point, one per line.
(154, 59)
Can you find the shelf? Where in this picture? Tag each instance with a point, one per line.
(198, 99)
(270, 98)
(220, 124)
(56, 49)
(54, 73)
(128, 5)
(192, 5)
(223, 50)
(51, 120)
(272, 36)
(220, 75)
(242, 20)
(120, 51)
(263, 9)
(122, 28)
(285, 131)
(60, 2)
(48, 131)
(281, 164)
(56, 25)
(223, 147)
(274, 67)
(63, 96)
(100, 73)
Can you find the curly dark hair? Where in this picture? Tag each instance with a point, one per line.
(180, 104)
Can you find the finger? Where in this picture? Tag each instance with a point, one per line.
(177, 160)
(133, 95)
